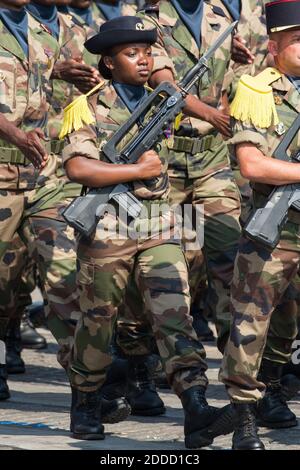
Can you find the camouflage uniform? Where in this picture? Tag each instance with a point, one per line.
(252, 28)
(31, 200)
(105, 264)
(199, 168)
(71, 38)
(260, 277)
(99, 18)
(196, 178)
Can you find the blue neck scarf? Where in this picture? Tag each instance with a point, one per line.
(234, 8)
(191, 13)
(131, 95)
(47, 15)
(17, 24)
(110, 11)
(84, 13)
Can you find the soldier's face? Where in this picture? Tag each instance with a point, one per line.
(13, 4)
(131, 63)
(285, 47)
(81, 3)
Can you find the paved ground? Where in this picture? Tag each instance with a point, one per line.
(37, 415)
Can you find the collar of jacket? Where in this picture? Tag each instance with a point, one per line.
(289, 92)
(108, 97)
(9, 42)
(66, 32)
(168, 16)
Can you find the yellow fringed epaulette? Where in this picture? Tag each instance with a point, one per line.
(78, 113)
(254, 100)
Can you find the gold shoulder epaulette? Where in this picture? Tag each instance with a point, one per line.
(254, 100)
(78, 113)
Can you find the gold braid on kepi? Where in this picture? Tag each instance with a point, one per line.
(78, 113)
(254, 100)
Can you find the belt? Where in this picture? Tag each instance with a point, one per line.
(14, 156)
(195, 145)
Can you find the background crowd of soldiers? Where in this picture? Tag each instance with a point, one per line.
(43, 71)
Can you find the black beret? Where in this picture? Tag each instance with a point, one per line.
(122, 30)
(282, 15)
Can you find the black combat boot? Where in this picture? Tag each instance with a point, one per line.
(115, 384)
(114, 411)
(86, 415)
(290, 386)
(14, 362)
(141, 391)
(290, 380)
(273, 411)
(4, 390)
(35, 313)
(30, 338)
(203, 422)
(245, 435)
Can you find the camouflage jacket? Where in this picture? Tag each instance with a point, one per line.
(25, 90)
(110, 112)
(99, 18)
(176, 41)
(252, 28)
(72, 37)
(288, 106)
(177, 50)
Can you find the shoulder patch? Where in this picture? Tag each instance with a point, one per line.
(254, 99)
(218, 11)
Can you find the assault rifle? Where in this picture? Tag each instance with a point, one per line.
(163, 105)
(266, 224)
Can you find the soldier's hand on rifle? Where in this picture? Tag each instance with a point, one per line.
(149, 165)
(30, 145)
(241, 53)
(75, 71)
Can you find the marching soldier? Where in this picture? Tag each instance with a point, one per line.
(105, 262)
(33, 196)
(252, 56)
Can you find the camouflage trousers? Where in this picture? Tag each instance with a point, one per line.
(105, 265)
(17, 294)
(283, 323)
(259, 283)
(51, 244)
(244, 188)
(218, 195)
